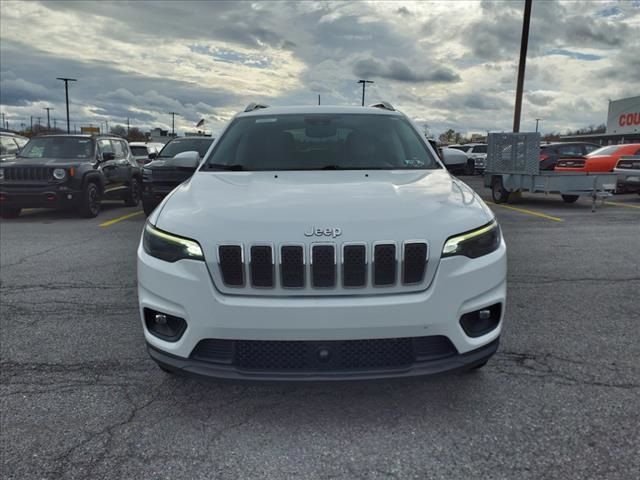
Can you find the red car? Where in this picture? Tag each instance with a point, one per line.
(603, 159)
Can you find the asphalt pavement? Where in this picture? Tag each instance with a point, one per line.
(561, 399)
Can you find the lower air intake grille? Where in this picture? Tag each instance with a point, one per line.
(344, 355)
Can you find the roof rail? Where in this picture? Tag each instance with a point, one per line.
(255, 106)
(384, 106)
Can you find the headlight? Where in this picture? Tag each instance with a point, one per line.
(168, 247)
(1, 173)
(59, 173)
(475, 243)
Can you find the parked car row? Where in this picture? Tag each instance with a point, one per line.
(80, 171)
(10, 145)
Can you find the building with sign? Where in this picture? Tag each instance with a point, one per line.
(623, 124)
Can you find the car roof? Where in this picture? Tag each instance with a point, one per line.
(11, 134)
(555, 144)
(323, 109)
(138, 144)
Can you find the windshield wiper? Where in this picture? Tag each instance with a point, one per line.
(236, 167)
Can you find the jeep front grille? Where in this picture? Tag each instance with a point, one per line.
(323, 265)
(28, 174)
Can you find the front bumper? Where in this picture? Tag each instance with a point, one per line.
(48, 196)
(199, 368)
(184, 289)
(628, 179)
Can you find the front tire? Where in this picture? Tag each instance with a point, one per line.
(133, 195)
(570, 198)
(470, 168)
(90, 206)
(148, 207)
(498, 193)
(10, 212)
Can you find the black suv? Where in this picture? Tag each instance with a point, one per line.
(69, 171)
(550, 153)
(167, 172)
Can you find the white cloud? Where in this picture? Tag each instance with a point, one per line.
(451, 64)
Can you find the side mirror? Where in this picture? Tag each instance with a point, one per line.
(451, 156)
(190, 159)
(106, 156)
(153, 155)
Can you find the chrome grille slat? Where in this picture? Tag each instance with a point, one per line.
(385, 265)
(292, 266)
(323, 265)
(261, 266)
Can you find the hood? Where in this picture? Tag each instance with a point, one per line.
(165, 164)
(281, 206)
(45, 162)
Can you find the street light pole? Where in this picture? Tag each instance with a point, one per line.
(48, 109)
(524, 42)
(66, 93)
(364, 83)
(173, 123)
(537, 120)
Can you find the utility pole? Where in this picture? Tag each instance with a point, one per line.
(127, 127)
(173, 123)
(524, 43)
(318, 99)
(364, 83)
(2, 119)
(66, 93)
(39, 127)
(32, 124)
(537, 120)
(55, 123)
(107, 123)
(48, 109)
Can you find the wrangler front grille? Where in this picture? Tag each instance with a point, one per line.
(323, 265)
(26, 174)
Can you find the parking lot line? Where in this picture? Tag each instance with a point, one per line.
(528, 212)
(119, 219)
(618, 204)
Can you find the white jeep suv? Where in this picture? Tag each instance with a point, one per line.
(321, 243)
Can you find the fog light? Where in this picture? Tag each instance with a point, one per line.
(164, 326)
(69, 196)
(481, 322)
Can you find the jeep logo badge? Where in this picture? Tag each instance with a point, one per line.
(323, 232)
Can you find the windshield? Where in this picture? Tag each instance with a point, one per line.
(174, 147)
(137, 151)
(58, 147)
(321, 141)
(604, 150)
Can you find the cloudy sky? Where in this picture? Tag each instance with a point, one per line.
(447, 64)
